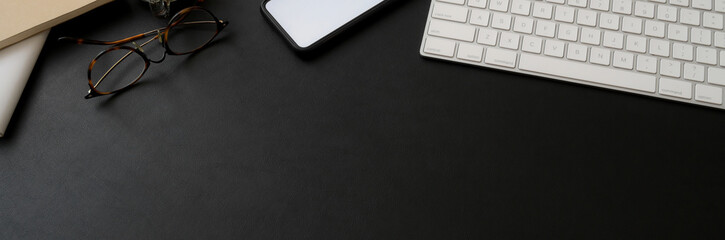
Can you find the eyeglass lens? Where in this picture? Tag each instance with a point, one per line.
(191, 31)
(117, 69)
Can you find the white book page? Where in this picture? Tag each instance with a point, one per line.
(16, 64)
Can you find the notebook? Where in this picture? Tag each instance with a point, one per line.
(16, 64)
(20, 19)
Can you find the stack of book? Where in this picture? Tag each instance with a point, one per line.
(21, 42)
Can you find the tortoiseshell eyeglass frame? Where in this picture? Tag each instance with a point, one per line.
(160, 33)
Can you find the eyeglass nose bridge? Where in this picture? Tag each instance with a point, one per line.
(160, 35)
(138, 47)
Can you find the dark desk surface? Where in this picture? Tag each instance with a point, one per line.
(368, 140)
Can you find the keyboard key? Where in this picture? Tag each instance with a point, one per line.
(487, 37)
(601, 5)
(591, 36)
(647, 64)
(716, 76)
(450, 12)
(659, 47)
(521, 7)
(667, 13)
(587, 72)
(524, 25)
(694, 72)
(477, 3)
(720, 39)
(675, 88)
(554, 48)
(677, 32)
(479, 17)
(622, 6)
(712, 20)
(600, 56)
(701, 36)
(708, 94)
(577, 52)
(578, 3)
(722, 58)
(542, 10)
(706, 55)
(683, 3)
(509, 40)
(644, 9)
(720, 6)
(613, 40)
(545, 29)
(682, 51)
(568, 32)
(623, 60)
(499, 57)
(556, 1)
(636, 44)
(654, 29)
(689, 17)
(470, 52)
(702, 4)
(439, 46)
(447, 29)
(499, 5)
(609, 21)
(564, 14)
(632, 25)
(670, 68)
(586, 18)
(459, 2)
(531, 44)
(501, 21)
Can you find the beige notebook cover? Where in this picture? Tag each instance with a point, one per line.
(20, 19)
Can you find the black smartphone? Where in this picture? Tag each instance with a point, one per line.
(306, 24)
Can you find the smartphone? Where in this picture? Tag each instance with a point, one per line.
(306, 24)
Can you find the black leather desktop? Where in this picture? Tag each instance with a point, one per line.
(364, 140)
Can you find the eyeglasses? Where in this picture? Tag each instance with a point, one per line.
(120, 67)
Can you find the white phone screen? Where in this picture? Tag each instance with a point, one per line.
(307, 21)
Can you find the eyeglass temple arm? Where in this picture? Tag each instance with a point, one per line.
(129, 39)
(122, 41)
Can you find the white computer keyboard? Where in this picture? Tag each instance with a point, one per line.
(672, 49)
